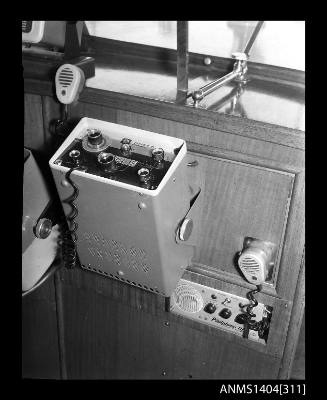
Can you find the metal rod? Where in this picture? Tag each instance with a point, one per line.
(198, 95)
(182, 56)
(210, 87)
(253, 37)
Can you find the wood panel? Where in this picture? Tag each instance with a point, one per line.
(292, 138)
(106, 339)
(239, 200)
(102, 327)
(33, 122)
(140, 300)
(40, 351)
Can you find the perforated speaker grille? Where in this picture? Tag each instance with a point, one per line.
(114, 251)
(250, 263)
(188, 299)
(66, 77)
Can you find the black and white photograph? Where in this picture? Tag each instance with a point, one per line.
(163, 223)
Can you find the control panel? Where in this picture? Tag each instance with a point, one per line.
(218, 309)
(126, 160)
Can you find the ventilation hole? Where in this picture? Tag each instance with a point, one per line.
(128, 281)
(145, 287)
(139, 285)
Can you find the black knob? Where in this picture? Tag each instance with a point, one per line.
(210, 308)
(225, 313)
(241, 318)
(94, 137)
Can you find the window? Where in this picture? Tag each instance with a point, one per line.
(279, 43)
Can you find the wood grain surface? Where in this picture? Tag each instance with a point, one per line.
(40, 346)
(252, 176)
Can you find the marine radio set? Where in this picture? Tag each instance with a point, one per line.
(132, 216)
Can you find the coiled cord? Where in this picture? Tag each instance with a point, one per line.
(250, 323)
(69, 237)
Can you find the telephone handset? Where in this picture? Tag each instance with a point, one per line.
(70, 80)
(254, 261)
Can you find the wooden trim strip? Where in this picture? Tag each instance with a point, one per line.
(180, 113)
(294, 325)
(60, 321)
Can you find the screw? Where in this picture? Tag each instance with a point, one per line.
(167, 323)
(142, 205)
(207, 61)
(163, 373)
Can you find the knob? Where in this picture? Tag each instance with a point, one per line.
(225, 313)
(241, 318)
(94, 137)
(107, 162)
(43, 228)
(210, 308)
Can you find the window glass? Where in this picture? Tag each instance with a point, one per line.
(154, 33)
(279, 43)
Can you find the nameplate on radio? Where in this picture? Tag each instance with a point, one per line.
(125, 161)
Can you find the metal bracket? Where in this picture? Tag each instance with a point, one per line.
(187, 231)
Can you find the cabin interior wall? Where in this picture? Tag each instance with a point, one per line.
(95, 315)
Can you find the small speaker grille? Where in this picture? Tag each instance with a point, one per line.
(249, 263)
(66, 77)
(188, 299)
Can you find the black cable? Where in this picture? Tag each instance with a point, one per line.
(69, 238)
(260, 326)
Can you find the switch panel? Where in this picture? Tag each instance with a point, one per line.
(216, 308)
